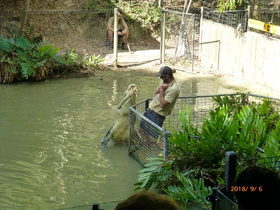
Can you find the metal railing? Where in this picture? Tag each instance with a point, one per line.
(148, 140)
(230, 18)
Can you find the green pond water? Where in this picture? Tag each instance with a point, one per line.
(50, 134)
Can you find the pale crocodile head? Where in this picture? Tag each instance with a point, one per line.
(129, 97)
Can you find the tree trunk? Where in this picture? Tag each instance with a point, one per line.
(256, 10)
(159, 3)
(24, 14)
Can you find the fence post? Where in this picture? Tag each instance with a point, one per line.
(116, 37)
(166, 144)
(230, 171)
(201, 33)
(95, 206)
(163, 34)
(249, 14)
(147, 104)
(193, 37)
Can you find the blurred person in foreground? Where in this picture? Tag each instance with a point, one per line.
(262, 189)
(146, 200)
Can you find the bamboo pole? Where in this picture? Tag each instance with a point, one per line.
(201, 33)
(116, 38)
(163, 36)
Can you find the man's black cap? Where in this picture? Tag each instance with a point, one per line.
(165, 70)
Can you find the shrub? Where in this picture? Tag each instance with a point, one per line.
(24, 59)
(196, 160)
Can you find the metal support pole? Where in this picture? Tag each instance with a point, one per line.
(219, 50)
(95, 206)
(163, 34)
(201, 33)
(213, 198)
(193, 37)
(166, 144)
(147, 104)
(230, 171)
(116, 38)
(249, 14)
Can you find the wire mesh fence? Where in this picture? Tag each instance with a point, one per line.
(82, 30)
(10, 21)
(266, 11)
(179, 39)
(239, 18)
(147, 140)
(268, 16)
(231, 18)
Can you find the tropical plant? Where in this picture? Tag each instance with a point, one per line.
(25, 59)
(224, 5)
(71, 58)
(197, 153)
(91, 61)
(154, 173)
(86, 61)
(193, 190)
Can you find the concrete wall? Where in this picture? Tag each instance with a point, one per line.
(249, 55)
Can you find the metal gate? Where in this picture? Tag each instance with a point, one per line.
(179, 39)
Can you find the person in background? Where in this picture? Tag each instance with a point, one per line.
(122, 28)
(262, 189)
(146, 200)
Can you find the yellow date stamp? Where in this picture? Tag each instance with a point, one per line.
(246, 189)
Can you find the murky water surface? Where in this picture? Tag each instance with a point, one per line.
(50, 134)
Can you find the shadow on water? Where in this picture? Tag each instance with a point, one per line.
(50, 155)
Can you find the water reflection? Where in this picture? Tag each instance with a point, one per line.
(50, 137)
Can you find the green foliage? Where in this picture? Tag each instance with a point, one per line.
(272, 144)
(190, 190)
(71, 58)
(196, 160)
(223, 5)
(24, 57)
(100, 7)
(148, 16)
(153, 174)
(86, 61)
(91, 61)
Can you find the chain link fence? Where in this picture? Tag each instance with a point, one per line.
(147, 140)
(179, 39)
(267, 16)
(10, 21)
(81, 30)
(268, 13)
(235, 19)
